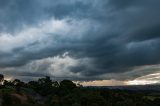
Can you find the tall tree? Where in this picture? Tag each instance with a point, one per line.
(1, 78)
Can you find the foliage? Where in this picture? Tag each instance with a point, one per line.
(1, 78)
(45, 92)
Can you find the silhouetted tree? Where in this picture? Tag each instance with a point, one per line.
(45, 86)
(18, 84)
(8, 83)
(67, 84)
(55, 84)
(79, 85)
(1, 78)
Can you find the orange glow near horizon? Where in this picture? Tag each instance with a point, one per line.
(103, 83)
(8, 78)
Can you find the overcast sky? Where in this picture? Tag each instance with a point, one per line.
(82, 40)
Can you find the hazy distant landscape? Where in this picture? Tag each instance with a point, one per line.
(46, 92)
(155, 88)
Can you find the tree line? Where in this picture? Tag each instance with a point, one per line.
(46, 92)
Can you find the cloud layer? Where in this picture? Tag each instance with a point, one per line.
(80, 40)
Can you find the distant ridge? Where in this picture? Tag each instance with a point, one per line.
(130, 87)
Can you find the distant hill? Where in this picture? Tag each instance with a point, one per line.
(130, 87)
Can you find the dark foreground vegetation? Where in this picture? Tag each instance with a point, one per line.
(46, 92)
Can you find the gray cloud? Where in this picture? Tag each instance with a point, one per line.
(105, 37)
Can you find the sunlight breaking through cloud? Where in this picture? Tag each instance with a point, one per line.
(144, 80)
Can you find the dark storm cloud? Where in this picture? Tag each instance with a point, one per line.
(148, 33)
(136, 42)
(16, 14)
(121, 34)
